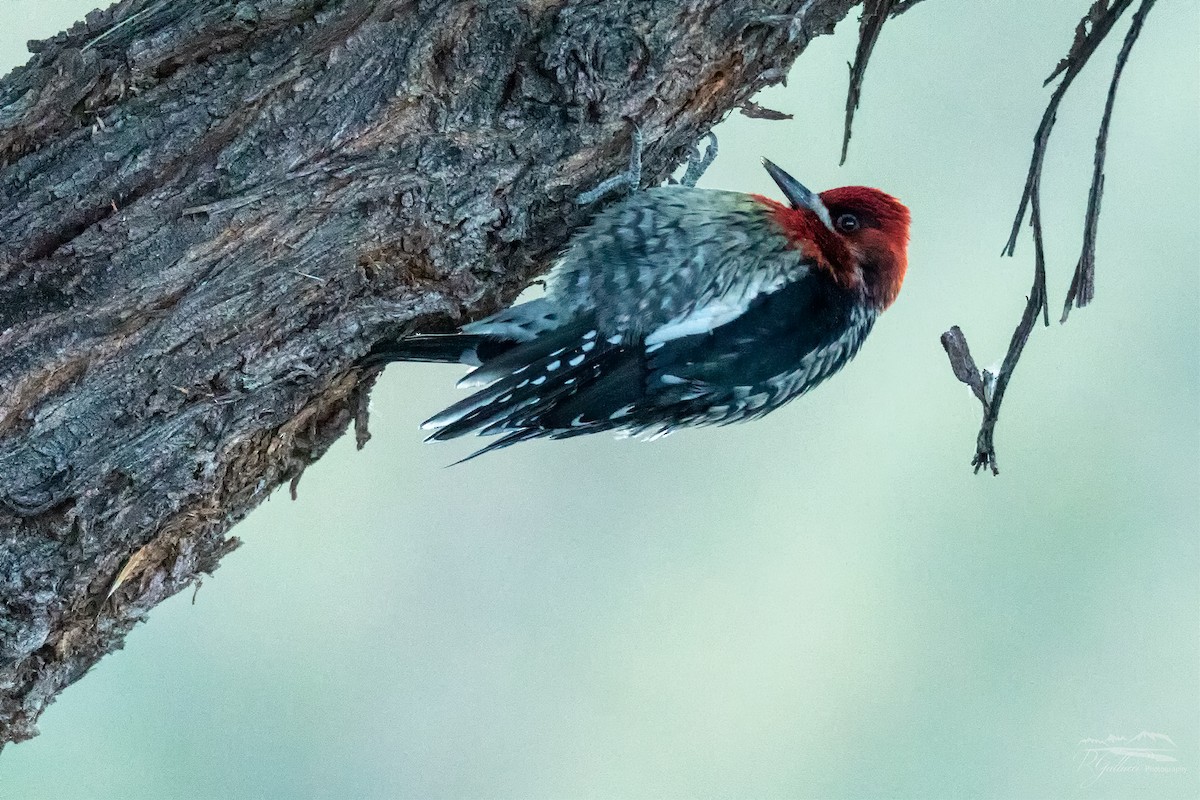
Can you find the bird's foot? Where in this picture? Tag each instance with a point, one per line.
(627, 181)
(794, 22)
(698, 164)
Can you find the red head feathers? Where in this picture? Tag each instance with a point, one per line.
(858, 233)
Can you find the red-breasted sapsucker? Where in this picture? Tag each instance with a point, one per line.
(679, 306)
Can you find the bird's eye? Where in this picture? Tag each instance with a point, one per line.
(847, 223)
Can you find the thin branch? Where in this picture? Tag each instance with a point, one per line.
(902, 6)
(1083, 284)
(987, 387)
(963, 364)
(875, 14)
(870, 25)
(1090, 32)
(1096, 24)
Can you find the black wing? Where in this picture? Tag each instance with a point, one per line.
(573, 380)
(784, 344)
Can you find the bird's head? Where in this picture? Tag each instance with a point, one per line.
(874, 227)
(860, 233)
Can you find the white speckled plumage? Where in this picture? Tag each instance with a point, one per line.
(679, 306)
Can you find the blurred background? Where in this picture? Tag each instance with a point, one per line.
(826, 603)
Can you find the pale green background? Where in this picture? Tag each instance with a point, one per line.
(826, 603)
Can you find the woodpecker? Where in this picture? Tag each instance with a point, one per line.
(675, 307)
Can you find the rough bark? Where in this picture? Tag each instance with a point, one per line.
(211, 209)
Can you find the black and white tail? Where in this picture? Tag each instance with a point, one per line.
(537, 375)
(519, 388)
(479, 342)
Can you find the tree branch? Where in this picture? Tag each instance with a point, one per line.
(1083, 284)
(212, 209)
(874, 14)
(1096, 24)
(870, 26)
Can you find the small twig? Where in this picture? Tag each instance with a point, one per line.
(870, 25)
(902, 6)
(755, 111)
(362, 411)
(987, 387)
(698, 163)
(1083, 284)
(961, 361)
(116, 26)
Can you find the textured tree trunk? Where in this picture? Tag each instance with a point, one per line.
(211, 209)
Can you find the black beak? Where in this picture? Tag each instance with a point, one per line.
(797, 194)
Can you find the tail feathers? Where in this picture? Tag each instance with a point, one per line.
(501, 443)
(554, 371)
(607, 402)
(519, 400)
(547, 346)
(441, 348)
(536, 412)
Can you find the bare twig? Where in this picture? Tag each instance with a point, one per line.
(963, 363)
(755, 111)
(902, 6)
(874, 15)
(987, 387)
(1096, 24)
(1090, 32)
(1083, 284)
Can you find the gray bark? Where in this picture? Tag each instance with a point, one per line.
(210, 210)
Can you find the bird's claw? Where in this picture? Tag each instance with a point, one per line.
(629, 180)
(698, 164)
